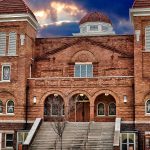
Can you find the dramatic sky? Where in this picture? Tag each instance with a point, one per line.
(61, 17)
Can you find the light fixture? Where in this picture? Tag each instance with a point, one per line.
(81, 95)
(55, 95)
(125, 99)
(34, 99)
(106, 94)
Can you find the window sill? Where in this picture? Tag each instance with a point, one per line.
(8, 55)
(147, 114)
(146, 51)
(5, 81)
(7, 148)
(7, 114)
(101, 115)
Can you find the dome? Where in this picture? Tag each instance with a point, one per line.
(95, 17)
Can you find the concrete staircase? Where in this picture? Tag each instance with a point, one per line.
(76, 136)
(100, 136)
(45, 138)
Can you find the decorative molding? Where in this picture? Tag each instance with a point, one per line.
(19, 17)
(15, 121)
(135, 12)
(78, 41)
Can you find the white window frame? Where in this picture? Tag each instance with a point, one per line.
(104, 110)
(128, 140)
(108, 109)
(5, 44)
(23, 132)
(6, 141)
(146, 113)
(147, 48)
(81, 63)
(2, 79)
(91, 26)
(9, 54)
(7, 108)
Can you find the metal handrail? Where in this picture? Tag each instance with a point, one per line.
(87, 135)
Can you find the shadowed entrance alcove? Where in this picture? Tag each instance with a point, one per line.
(105, 108)
(79, 108)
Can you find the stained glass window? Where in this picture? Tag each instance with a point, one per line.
(83, 70)
(112, 109)
(6, 73)
(148, 106)
(100, 109)
(1, 107)
(10, 107)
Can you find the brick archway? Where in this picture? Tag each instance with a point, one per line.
(54, 107)
(105, 109)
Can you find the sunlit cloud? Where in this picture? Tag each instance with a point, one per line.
(58, 13)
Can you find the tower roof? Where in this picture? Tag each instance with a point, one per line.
(141, 4)
(95, 17)
(14, 7)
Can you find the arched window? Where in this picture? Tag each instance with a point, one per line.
(10, 107)
(100, 109)
(148, 107)
(1, 107)
(112, 109)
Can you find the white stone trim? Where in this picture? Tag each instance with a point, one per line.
(99, 32)
(16, 121)
(19, 17)
(136, 122)
(32, 131)
(127, 122)
(7, 131)
(134, 12)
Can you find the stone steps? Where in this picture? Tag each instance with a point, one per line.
(100, 137)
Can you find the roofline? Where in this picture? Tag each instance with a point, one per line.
(135, 12)
(57, 37)
(20, 17)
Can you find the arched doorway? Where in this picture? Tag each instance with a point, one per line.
(79, 108)
(105, 108)
(54, 107)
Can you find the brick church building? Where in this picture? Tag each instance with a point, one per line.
(93, 76)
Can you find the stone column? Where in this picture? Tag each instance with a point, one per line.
(66, 108)
(92, 112)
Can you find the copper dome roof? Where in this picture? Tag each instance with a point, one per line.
(95, 17)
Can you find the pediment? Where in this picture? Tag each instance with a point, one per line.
(86, 41)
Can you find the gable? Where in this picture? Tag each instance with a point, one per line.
(47, 47)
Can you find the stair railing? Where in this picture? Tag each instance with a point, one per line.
(117, 132)
(87, 135)
(32, 134)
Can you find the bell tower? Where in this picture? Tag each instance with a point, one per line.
(18, 27)
(140, 17)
